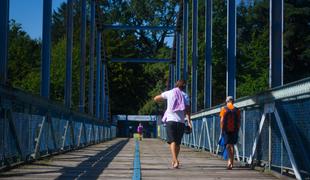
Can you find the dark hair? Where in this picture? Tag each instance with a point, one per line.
(181, 84)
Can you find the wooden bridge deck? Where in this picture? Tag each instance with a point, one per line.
(114, 160)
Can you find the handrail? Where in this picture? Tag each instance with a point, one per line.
(44, 103)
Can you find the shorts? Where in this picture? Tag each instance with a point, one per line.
(175, 131)
(230, 137)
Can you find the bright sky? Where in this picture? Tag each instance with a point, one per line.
(29, 14)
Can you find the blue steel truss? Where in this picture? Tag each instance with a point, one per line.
(33, 126)
(124, 27)
(140, 60)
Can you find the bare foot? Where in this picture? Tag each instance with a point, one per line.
(176, 165)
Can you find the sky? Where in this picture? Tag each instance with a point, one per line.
(29, 14)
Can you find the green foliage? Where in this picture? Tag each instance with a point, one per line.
(23, 59)
(252, 49)
(296, 40)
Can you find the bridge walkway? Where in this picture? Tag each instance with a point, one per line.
(114, 160)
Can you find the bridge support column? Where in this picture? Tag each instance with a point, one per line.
(276, 44)
(172, 75)
(194, 55)
(231, 49)
(178, 56)
(83, 56)
(4, 24)
(103, 92)
(98, 52)
(185, 39)
(46, 48)
(68, 87)
(91, 59)
(208, 55)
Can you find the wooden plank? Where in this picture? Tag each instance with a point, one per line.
(109, 160)
(156, 164)
(114, 160)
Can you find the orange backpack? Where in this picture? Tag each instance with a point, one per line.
(231, 120)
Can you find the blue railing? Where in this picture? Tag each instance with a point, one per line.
(274, 129)
(32, 127)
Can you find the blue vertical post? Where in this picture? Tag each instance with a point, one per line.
(178, 56)
(107, 95)
(68, 86)
(103, 92)
(172, 79)
(46, 48)
(83, 56)
(208, 56)
(194, 55)
(107, 107)
(169, 78)
(104, 85)
(98, 55)
(276, 44)
(231, 49)
(91, 61)
(4, 24)
(185, 39)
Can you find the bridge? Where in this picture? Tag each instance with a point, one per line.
(41, 138)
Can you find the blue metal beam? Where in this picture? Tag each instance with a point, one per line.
(4, 24)
(107, 105)
(231, 49)
(91, 60)
(194, 55)
(169, 79)
(208, 56)
(98, 52)
(104, 83)
(125, 27)
(103, 92)
(172, 75)
(178, 55)
(83, 56)
(276, 43)
(185, 39)
(68, 86)
(140, 60)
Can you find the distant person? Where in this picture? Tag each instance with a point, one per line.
(140, 131)
(230, 124)
(178, 105)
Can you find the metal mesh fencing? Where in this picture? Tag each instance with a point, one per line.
(31, 127)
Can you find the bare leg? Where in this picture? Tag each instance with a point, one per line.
(177, 152)
(230, 149)
(232, 154)
(173, 153)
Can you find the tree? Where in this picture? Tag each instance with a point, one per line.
(23, 59)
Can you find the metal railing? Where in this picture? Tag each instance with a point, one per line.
(274, 129)
(32, 127)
